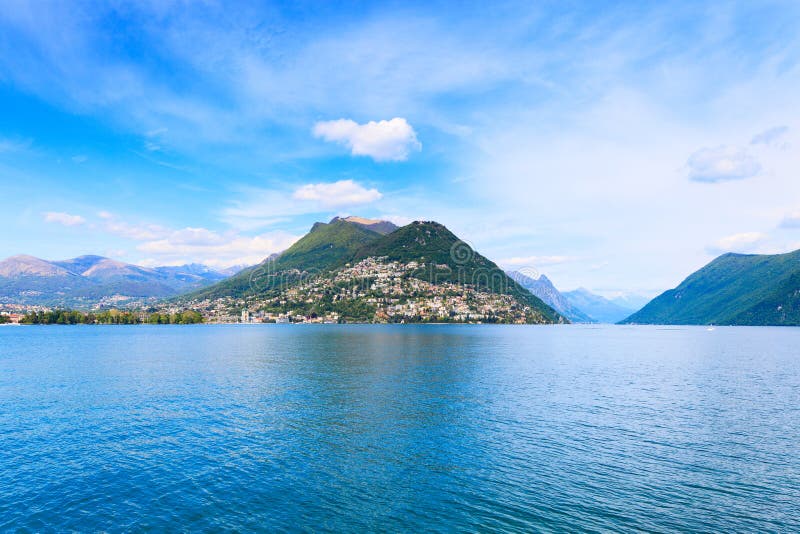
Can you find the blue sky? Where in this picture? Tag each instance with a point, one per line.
(616, 146)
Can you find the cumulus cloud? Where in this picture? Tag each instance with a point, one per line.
(722, 163)
(384, 140)
(744, 243)
(773, 137)
(64, 219)
(337, 194)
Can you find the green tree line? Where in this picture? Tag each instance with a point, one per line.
(110, 317)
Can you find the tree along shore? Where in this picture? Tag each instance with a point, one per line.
(110, 317)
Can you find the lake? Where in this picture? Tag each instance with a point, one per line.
(399, 428)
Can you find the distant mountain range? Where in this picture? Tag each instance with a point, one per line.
(364, 270)
(734, 289)
(90, 280)
(543, 288)
(601, 309)
(580, 305)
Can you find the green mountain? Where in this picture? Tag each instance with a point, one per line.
(449, 259)
(376, 225)
(324, 247)
(741, 289)
(344, 269)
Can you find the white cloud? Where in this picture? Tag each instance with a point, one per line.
(772, 137)
(162, 245)
(199, 245)
(259, 208)
(155, 132)
(744, 243)
(721, 164)
(384, 140)
(792, 220)
(337, 194)
(64, 219)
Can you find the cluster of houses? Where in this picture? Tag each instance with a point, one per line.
(390, 288)
(284, 318)
(13, 317)
(378, 290)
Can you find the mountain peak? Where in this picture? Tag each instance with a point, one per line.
(544, 289)
(376, 225)
(25, 265)
(422, 263)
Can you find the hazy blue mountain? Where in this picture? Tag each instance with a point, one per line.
(631, 301)
(742, 289)
(88, 280)
(597, 307)
(543, 288)
(230, 271)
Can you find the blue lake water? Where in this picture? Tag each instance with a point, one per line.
(399, 428)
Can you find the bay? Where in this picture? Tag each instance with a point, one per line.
(399, 428)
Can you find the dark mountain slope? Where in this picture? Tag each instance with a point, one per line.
(732, 289)
(781, 307)
(449, 259)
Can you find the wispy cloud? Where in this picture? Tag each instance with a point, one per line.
(744, 243)
(722, 164)
(792, 220)
(259, 208)
(14, 145)
(190, 245)
(162, 245)
(134, 231)
(773, 137)
(64, 219)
